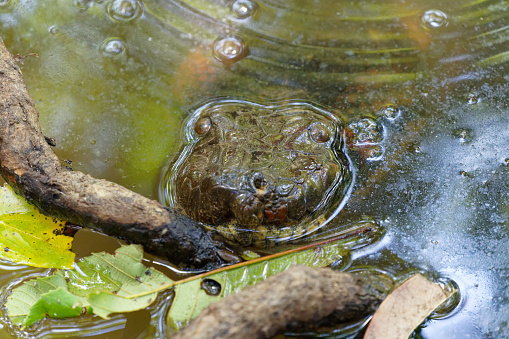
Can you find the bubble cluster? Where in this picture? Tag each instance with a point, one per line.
(390, 112)
(229, 50)
(366, 131)
(243, 8)
(367, 137)
(123, 10)
(113, 46)
(434, 18)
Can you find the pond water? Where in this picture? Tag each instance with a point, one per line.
(114, 80)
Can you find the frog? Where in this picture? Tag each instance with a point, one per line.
(265, 174)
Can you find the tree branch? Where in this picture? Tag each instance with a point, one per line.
(31, 167)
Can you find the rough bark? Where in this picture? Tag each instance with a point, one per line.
(301, 297)
(28, 164)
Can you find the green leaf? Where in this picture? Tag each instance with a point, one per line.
(105, 303)
(26, 295)
(58, 303)
(194, 294)
(29, 237)
(101, 284)
(117, 283)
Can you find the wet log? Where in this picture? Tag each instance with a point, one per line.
(31, 167)
(300, 298)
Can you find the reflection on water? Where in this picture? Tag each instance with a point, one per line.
(114, 79)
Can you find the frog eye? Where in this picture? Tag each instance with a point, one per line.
(203, 125)
(319, 133)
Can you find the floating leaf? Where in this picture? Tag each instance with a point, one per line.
(58, 303)
(29, 237)
(35, 298)
(101, 284)
(125, 284)
(192, 295)
(405, 308)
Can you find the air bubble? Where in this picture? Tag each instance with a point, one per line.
(124, 10)
(390, 112)
(113, 46)
(243, 8)
(319, 133)
(203, 125)
(472, 99)
(53, 29)
(464, 135)
(229, 50)
(211, 287)
(434, 18)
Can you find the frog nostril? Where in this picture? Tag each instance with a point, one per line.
(258, 180)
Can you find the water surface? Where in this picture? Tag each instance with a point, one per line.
(114, 80)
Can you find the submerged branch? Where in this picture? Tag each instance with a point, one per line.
(31, 167)
(300, 298)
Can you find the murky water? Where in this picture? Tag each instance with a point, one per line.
(115, 79)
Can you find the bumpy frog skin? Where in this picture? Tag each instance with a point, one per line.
(260, 175)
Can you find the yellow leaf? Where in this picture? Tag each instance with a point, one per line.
(29, 237)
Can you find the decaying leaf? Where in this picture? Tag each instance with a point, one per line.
(29, 237)
(406, 308)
